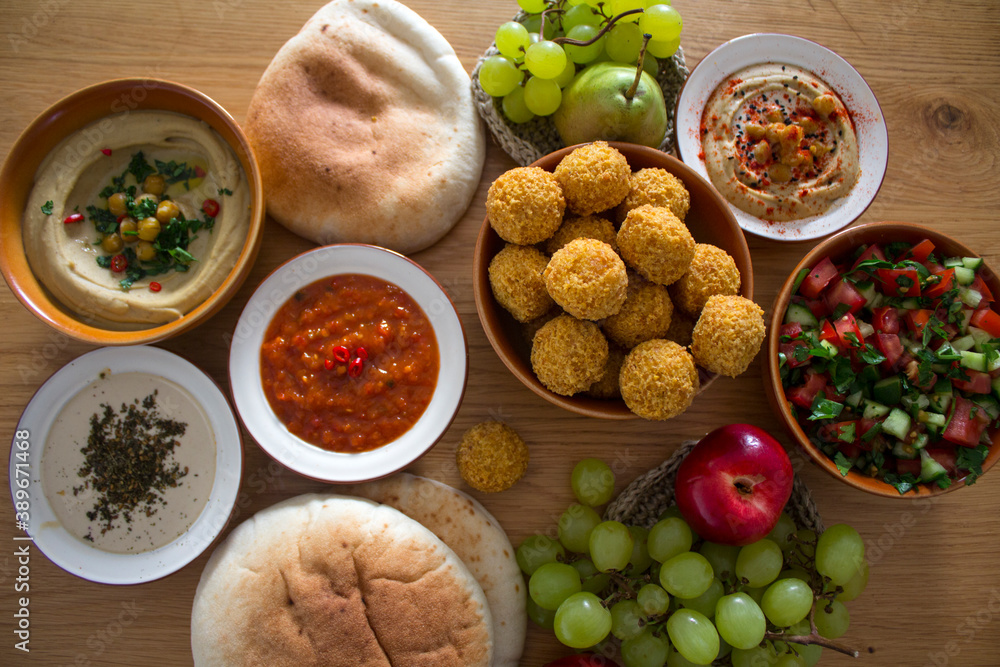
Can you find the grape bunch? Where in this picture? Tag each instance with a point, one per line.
(671, 598)
(541, 54)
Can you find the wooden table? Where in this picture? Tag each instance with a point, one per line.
(934, 596)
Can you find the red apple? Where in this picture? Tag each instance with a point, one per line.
(732, 486)
(583, 660)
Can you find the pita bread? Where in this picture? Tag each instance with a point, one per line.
(477, 538)
(365, 129)
(340, 582)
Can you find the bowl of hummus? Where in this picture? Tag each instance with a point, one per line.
(133, 211)
(787, 131)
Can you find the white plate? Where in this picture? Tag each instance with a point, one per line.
(73, 554)
(244, 363)
(873, 141)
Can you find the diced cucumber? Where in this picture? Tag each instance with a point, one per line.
(854, 399)
(972, 262)
(865, 329)
(866, 289)
(975, 361)
(877, 301)
(979, 337)
(933, 418)
(970, 297)
(950, 262)
(829, 347)
(799, 278)
(920, 402)
(897, 423)
(939, 402)
(888, 391)
(873, 410)
(929, 468)
(901, 450)
(796, 312)
(910, 304)
(921, 440)
(996, 387)
(964, 276)
(869, 374)
(988, 404)
(964, 343)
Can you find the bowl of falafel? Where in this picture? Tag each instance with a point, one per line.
(613, 281)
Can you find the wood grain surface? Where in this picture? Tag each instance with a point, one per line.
(934, 596)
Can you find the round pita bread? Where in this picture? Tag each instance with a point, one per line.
(477, 538)
(340, 582)
(365, 129)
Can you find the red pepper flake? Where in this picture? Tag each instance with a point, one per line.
(328, 364)
(199, 172)
(361, 353)
(355, 367)
(155, 286)
(210, 207)
(106, 151)
(119, 263)
(341, 354)
(74, 217)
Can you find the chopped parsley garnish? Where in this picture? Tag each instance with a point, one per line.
(843, 463)
(823, 408)
(47, 207)
(971, 459)
(104, 220)
(174, 172)
(225, 191)
(140, 168)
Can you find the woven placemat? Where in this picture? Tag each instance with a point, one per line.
(643, 501)
(527, 142)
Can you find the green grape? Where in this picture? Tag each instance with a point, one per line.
(669, 537)
(619, 6)
(646, 650)
(740, 620)
(512, 39)
(759, 564)
(533, 23)
(611, 546)
(795, 573)
(756, 593)
(623, 43)
(706, 602)
(580, 15)
(584, 54)
(694, 636)
(627, 619)
(640, 560)
(552, 583)
(805, 545)
(649, 3)
(650, 65)
(517, 112)
(663, 22)
(686, 575)
(592, 482)
(545, 59)
(787, 601)
(537, 550)
(592, 580)
(532, 6)
(499, 76)
(840, 553)
(576, 522)
(782, 532)
(539, 616)
(543, 97)
(653, 600)
(811, 653)
(789, 660)
(663, 49)
(567, 75)
(582, 621)
(675, 659)
(758, 656)
(855, 585)
(831, 619)
(722, 557)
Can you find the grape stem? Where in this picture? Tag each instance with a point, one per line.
(603, 31)
(630, 93)
(814, 638)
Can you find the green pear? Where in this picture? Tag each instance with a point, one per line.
(607, 101)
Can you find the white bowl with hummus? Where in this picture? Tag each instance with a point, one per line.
(348, 363)
(787, 131)
(125, 465)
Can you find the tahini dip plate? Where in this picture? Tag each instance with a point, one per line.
(869, 124)
(53, 500)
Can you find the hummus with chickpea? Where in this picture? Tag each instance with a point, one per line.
(136, 219)
(779, 143)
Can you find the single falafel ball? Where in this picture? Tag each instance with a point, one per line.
(607, 386)
(517, 282)
(594, 178)
(587, 279)
(525, 205)
(646, 314)
(658, 379)
(568, 354)
(728, 334)
(712, 271)
(657, 187)
(586, 227)
(656, 244)
(491, 457)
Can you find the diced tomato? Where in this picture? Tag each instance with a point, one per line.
(900, 282)
(916, 320)
(886, 320)
(980, 286)
(790, 330)
(848, 332)
(850, 449)
(805, 394)
(817, 307)
(966, 423)
(789, 341)
(871, 252)
(911, 466)
(945, 281)
(827, 332)
(921, 251)
(842, 432)
(987, 320)
(946, 455)
(978, 382)
(818, 278)
(891, 349)
(865, 425)
(843, 292)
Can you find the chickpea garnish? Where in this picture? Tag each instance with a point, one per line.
(117, 203)
(166, 211)
(824, 104)
(149, 229)
(145, 251)
(144, 196)
(112, 243)
(154, 184)
(127, 228)
(780, 173)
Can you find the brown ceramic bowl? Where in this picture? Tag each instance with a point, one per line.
(59, 121)
(710, 221)
(837, 246)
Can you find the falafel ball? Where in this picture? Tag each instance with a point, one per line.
(594, 178)
(646, 314)
(681, 326)
(658, 187)
(517, 282)
(654, 242)
(587, 279)
(728, 334)
(568, 354)
(585, 227)
(658, 379)
(491, 457)
(712, 271)
(525, 205)
(607, 386)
